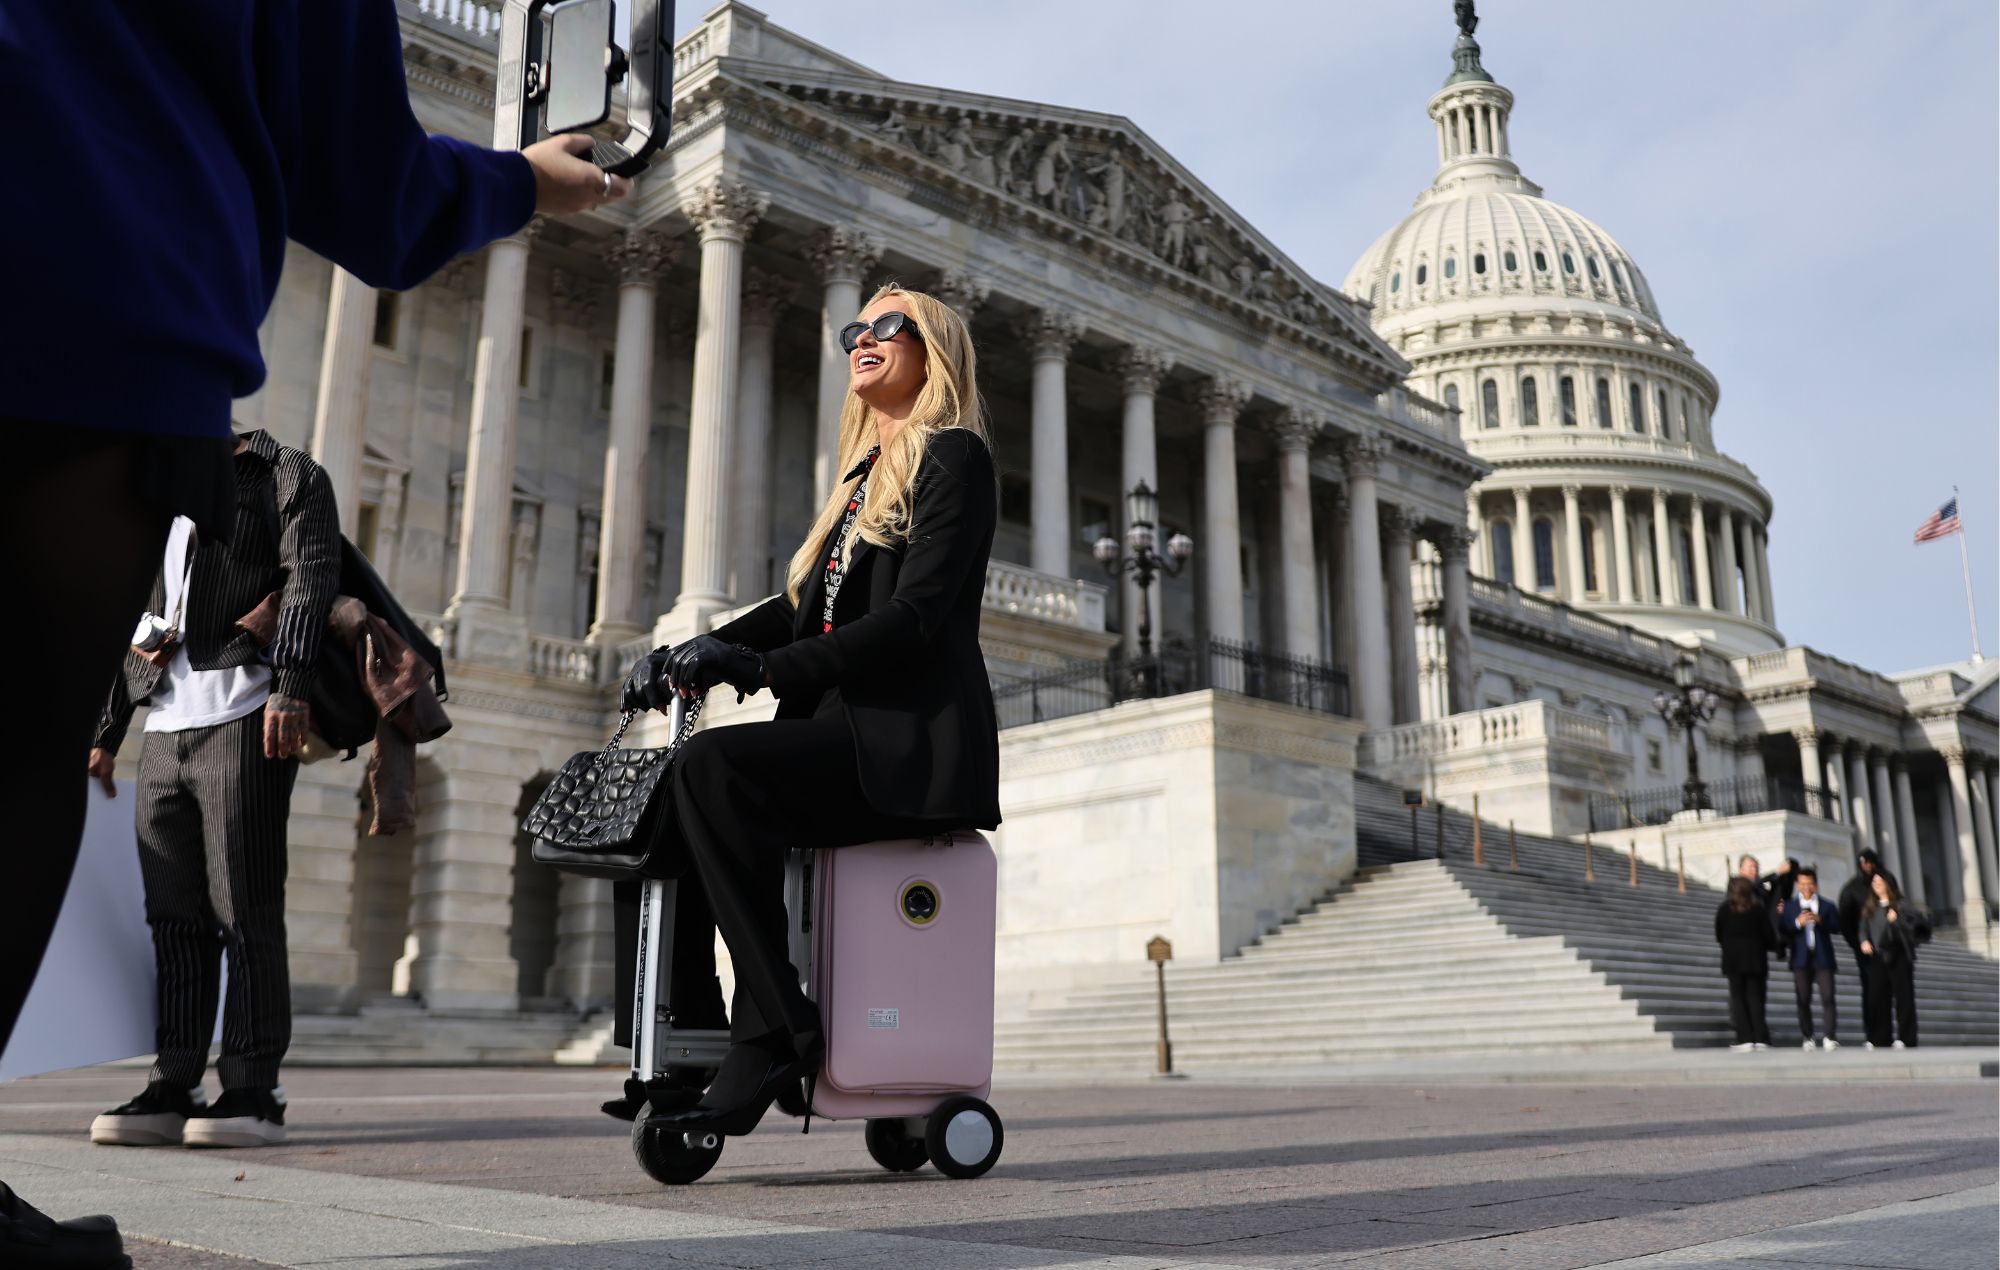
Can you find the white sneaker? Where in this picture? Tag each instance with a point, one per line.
(1759, 1046)
(1744, 1047)
(154, 1119)
(1808, 1044)
(1868, 1045)
(1828, 1043)
(240, 1118)
(1899, 1046)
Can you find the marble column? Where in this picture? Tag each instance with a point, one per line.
(1142, 370)
(1461, 684)
(1725, 533)
(1621, 547)
(584, 972)
(1982, 824)
(1295, 432)
(1663, 551)
(486, 631)
(1704, 587)
(1973, 840)
(1364, 564)
(1523, 544)
(1812, 772)
(1220, 553)
(843, 255)
(1049, 334)
(1397, 536)
(639, 257)
(1882, 807)
(1753, 577)
(340, 411)
(723, 213)
(1836, 783)
(765, 296)
(1764, 578)
(1859, 798)
(1908, 849)
(1572, 583)
(1949, 871)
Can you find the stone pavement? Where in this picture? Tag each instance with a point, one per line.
(457, 1169)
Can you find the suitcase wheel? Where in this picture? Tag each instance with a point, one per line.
(671, 1158)
(964, 1137)
(895, 1147)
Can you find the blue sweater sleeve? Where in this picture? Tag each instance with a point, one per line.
(367, 187)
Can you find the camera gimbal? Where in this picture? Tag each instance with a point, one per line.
(558, 63)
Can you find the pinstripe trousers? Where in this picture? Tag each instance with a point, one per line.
(212, 813)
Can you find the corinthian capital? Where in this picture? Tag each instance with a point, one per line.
(765, 295)
(1143, 368)
(1296, 429)
(722, 208)
(1454, 543)
(1049, 332)
(843, 253)
(1222, 399)
(962, 291)
(574, 299)
(1363, 455)
(640, 256)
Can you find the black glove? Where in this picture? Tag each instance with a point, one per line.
(646, 687)
(706, 661)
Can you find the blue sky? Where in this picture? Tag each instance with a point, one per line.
(1811, 189)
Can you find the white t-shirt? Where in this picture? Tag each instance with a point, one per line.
(189, 698)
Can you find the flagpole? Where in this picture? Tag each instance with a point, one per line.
(1965, 562)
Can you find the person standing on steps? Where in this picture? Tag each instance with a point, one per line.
(1813, 921)
(1748, 939)
(1891, 929)
(238, 126)
(1853, 894)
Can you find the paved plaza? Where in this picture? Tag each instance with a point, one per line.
(1707, 1159)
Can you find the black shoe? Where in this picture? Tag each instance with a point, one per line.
(240, 1118)
(663, 1095)
(154, 1119)
(752, 1077)
(31, 1241)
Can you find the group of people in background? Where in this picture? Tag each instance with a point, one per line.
(1782, 916)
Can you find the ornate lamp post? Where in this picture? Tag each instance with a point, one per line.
(1142, 559)
(1688, 706)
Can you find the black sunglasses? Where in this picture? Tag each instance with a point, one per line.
(886, 328)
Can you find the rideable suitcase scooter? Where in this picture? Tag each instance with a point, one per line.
(894, 942)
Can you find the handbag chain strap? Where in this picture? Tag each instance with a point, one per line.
(686, 731)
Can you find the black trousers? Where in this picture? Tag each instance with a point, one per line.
(1892, 985)
(1804, 980)
(1871, 1004)
(1746, 1008)
(82, 533)
(212, 812)
(743, 796)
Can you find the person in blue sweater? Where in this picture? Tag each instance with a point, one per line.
(179, 146)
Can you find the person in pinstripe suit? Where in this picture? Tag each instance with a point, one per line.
(215, 784)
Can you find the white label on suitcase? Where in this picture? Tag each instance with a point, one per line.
(890, 1018)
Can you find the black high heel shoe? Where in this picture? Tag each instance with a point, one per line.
(733, 1117)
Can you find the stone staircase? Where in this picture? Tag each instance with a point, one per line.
(1416, 958)
(400, 1032)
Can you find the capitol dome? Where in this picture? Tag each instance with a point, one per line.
(1608, 491)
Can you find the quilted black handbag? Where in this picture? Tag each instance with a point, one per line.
(601, 815)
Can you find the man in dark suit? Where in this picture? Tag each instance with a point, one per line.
(1811, 922)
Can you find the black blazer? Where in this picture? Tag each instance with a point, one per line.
(904, 649)
(1748, 939)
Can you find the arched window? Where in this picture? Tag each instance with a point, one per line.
(1479, 262)
(1423, 271)
(1531, 410)
(1451, 395)
(1660, 420)
(1569, 263)
(1508, 261)
(1617, 275)
(1638, 408)
(1603, 402)
(1489, 403)
(1545, 555)
(1590, 262)
(1395, 282)
(1541, 261)
(1503, 551)
(1568, 392)
(1451, 266)
(1589, 556)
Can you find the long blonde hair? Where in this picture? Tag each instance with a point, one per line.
(948, 399)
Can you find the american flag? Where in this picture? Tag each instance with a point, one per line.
(1943, 523)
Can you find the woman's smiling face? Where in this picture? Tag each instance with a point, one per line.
(888, 374)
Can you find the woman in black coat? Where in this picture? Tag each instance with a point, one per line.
(1891, 929)
(885, 725)
(1748, 939)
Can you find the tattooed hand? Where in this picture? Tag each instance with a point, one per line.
(285, 723)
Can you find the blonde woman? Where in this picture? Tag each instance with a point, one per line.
(885, 723)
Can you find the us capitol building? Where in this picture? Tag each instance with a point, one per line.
(1456, 521)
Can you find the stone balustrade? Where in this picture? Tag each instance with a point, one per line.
(565, 660)
(1799, 664)
(1574, 444)
(1556, 617)
(479, 19)
(1420, 412)
(1521, 721)
(1025, 592)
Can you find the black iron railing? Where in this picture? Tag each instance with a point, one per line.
(1742, 796)
(1224, 665)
